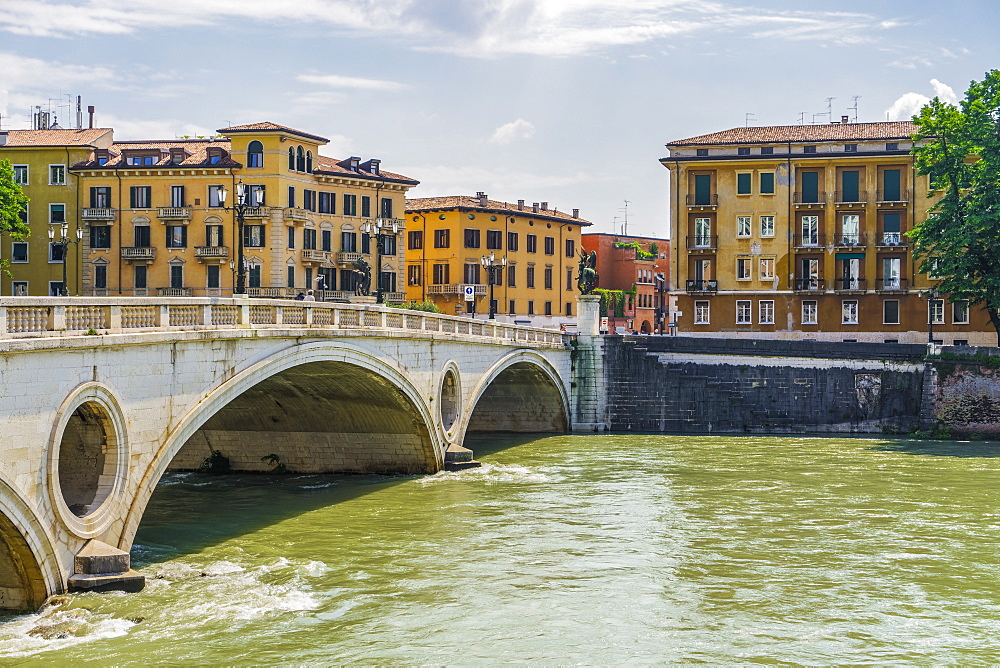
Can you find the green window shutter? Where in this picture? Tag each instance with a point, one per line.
(890, 222)
(810, 186)
(702, 189)
(849, 186)
(890, 185)
(743, 184)
(767, 183)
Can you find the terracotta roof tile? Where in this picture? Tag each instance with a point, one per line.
(196, 150)
(326, 165)
(81, 137)
(269, 126)
(804, 133)
(466, 202)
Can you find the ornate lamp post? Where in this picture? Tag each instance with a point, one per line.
(376, 231)
(63, 243)
(931, 294)
(492, 267)
(243, 202)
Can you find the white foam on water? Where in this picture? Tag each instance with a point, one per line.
(491, 474)
(55, 629)
(314, 569)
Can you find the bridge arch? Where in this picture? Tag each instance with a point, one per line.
(522, 392)
(29, 565)
(323, 384)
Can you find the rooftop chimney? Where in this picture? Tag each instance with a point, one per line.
(576, 213)
(483, 200)
(545, 206)
(534, 207)
(90, 112)
(844, 120)
(520, 205)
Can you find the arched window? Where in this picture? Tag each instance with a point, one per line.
(309, 161)
(291, 158)
(255, 154)
(300, 159)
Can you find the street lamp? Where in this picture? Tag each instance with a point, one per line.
(931, 294)
(243, 202)
(492, 267)
(374, 230)
(63, 243)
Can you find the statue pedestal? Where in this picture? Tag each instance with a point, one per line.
(588, 315)
(363, 299)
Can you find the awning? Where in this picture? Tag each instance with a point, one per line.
(850, 256)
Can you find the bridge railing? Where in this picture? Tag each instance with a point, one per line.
(32, 317)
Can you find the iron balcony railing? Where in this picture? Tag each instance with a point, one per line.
(809, 284)
(810, 240)
(850, 240)
(891, 240)
(709, 199)
(850, 284)
(850, 197)
(894, 284)
(810, 198)
(892, 196)
(703, 242)
(702, 285)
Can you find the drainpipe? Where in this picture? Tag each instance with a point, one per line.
(121, 224)
(423, 258)
(791, 222)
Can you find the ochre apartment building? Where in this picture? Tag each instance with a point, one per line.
(801, 232)
(535, 251)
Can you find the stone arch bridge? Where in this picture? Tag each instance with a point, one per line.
(102, 396)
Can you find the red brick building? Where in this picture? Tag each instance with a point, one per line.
(636, 265)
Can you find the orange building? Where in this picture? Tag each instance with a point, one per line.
(639, 267)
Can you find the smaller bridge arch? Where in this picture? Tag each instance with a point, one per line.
(29, 564)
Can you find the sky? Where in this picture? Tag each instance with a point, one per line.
(564, 101)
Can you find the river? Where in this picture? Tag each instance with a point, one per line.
(567, 549)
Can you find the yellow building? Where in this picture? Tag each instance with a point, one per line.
(42, 161)
(534, 250)
(160, 218)
(801, 232)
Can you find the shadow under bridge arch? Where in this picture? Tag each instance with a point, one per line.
(326, 416)
(29, 570)
(523, 393)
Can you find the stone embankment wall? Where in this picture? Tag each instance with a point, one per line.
(678, 384)
(964, 392)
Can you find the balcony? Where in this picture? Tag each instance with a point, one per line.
(98, 213)
(705, 199)
(851, 240)
(891, 284)
(143, 253)
(295, 215)
(810, 241)
(315, 256)
(348, 258)
(174, 213)
(454, 289)
(394, 297)
(850, 285)
(842, 197)
(173, 292)
(892, 196)
(809, 199)
(211, 252)
(891, 240)
(809, 285)
(701, 285)
(703, 242)
(257, 212)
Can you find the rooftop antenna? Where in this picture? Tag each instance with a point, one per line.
(829, 108)
(625, 226)
(614, 224)
(802, 118)
(750, 115)
(822, 113)
(855, 99)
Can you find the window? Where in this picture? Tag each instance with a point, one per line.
(327, 202)
(510, 307)
(767, 183)
(766, 308)
(309, 168)
(212, 276)
(570, 248)
(309, 238)
(471, 273)
(960, 312)
(177, 276)
(530, 275)
(850, 148)
(743, 226)
(177, 196)
(548, 278)
(850, 229)
(176, 236)
(386, 210)
(892, 273)
(550, 245)
(743, 268)
(290, 276)
(808, 149)
(512, 241)
(532, 243)
(743, 150)
(892, 146)
(253, 276)
(57, 252)
(766, 268)
(767, 226)
(21, 175)
(213, 196)
(387, 244)
(100, 236)
(309, 200)
(140, 197)
(348, 242)
(441, 239)
(936, 311)
(101, 276)
(569, 308)
(214, 156)
(300, 159)
(891, 191)
(140, 160)
(743, 316)
(255, 154)
(849, 312)
(291, 158)
(366, 206)
(810, 313)
(767, 150)
(440, 274)
(57, 213)
(890, 312)
(19, 251)
(291, 197)
(253, 236)
(701, 313)
(413, 275)
(934, 268)
(511, 276)
(140, 236)
(213, 236)
(326, 238)
(19, 288)
(291, 237)
(531, 307)
(415, 240)
(494, 239)
(56, 289)
(57, 175)
(810, 230)
(743, 183)
(569, 280)
(891, 231)
(548, 308)
(471, 238)
(701, 152)
(350, 205)
(703, 232)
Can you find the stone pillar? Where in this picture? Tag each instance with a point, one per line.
(590, 403)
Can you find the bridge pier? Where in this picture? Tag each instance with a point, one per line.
(590, 406)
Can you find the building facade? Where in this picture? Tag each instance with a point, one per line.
(42, 161)
(159, 216)
(638, 266)
(535, 253)
(801, 232)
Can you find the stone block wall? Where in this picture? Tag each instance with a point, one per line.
(965, 393)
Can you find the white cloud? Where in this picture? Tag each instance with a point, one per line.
(908, 104)
(127, 128)
(29, 81)
(355, 83)
(508, 132)
(501, 183)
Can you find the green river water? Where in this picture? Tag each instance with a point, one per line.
(565, 550)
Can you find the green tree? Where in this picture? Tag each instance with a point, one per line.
(959, 148)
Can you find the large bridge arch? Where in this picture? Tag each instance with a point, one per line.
(29, 564)
(522, 392)
(378, 402)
